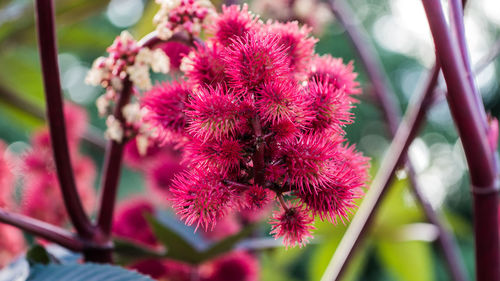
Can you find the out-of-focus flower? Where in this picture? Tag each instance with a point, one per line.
(237, 266)
(130, 221)
(11, 242)
(7, 178)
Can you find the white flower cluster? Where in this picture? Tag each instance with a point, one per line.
(167, 19)
(126, 59)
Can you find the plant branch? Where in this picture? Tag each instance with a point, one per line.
(54, 102)
(42, 229)
(469, 120)
(112, 166)
(258, 157)
(407, 130)
(387, 100)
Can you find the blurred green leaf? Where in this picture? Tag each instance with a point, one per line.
(227, 244)
(408, 260)
(177, 247)
(127, 252)
(38, 255)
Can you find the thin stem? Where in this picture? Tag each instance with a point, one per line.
(407, 130)
(469, 120)
(386, 98)
(458, 32)
(42, 229)
(282, 202)
(54, 102)
(112, 167)
(258, 157)
(151, 39)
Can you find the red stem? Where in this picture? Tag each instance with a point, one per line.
(469, 121)
(54, 102)
(258, 157)
(112, 167)
(395, 155)
(42, 229)
(387, 100)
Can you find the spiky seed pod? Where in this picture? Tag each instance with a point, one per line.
(204, 65)
(330, 107)
(200, 198)
(223, 155)
(298, 44)
(334, 71)
(214, 113)
(294, 224)
(255, 59)
(232, 23)
(166, 103)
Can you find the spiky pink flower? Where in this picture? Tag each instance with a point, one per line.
(233, 22)
(330, 106)
(308, 161)
(293, 224)
(236, 266)
(334, 71)
(335, 198)
(214, 113)
(201, 198)
(222, 155)
(256, 197)
(12, 244)
(166, 103)
(204, 65)
(280, 100)
(255, 59)
(130, 221)
(297, 43)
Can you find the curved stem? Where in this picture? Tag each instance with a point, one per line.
(55, 114)
(42, 229)
(407, 130)
(469, 120)
(387, 100)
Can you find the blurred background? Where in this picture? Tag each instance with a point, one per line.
(400, 246)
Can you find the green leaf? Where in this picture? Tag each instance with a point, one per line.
(127, 252)
(406, 261)
(178, 248)
(83, 272)
(227, 244)
(38, 255)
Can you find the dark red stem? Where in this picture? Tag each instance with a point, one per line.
(112, 167)
(258, 156)
(395, 155)
(54, 102)
(42, 229)
(387, 100)
(469, 120)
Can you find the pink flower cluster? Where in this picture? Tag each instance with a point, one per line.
(42, 197)
(130, 223)
(11, 239)
(261, 116)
